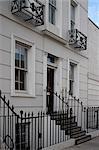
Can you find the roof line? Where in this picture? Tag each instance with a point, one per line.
(93, 23)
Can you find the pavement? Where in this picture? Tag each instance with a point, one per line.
(90, 145)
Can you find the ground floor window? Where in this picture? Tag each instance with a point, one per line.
(22, 67)
(73, 79)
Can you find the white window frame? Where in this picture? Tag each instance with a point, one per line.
(71, 70)
(19, 68)
(54, 7)
(30, 92)
(75, 4)
(76, 78)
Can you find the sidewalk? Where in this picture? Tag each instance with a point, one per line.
(90, 145)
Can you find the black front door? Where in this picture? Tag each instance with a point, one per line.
(50, 89)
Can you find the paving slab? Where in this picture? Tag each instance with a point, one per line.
(90, 145)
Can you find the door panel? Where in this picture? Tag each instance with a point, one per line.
(50, 89)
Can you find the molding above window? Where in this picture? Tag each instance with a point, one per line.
(30, 81)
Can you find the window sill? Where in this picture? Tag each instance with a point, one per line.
(22, 94)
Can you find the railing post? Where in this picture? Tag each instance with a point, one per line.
(21, 113)
(70, 120)
(87, 120)
(28, 130)
(0, 118)
(97, 120)
(59, 103)
(78, 112)
(81, 113)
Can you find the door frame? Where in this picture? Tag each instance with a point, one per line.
(57, 78)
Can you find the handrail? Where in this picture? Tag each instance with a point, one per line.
(7, 104)
(58, 96)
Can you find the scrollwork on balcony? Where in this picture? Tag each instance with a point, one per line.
(32, 12)
(77, 39)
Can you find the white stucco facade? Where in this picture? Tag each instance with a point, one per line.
(44, 40)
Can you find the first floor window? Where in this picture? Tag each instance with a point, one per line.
(20, 66)
(73, 13)
(52, 11)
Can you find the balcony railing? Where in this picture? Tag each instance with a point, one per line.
(32, 12)
(77, 39)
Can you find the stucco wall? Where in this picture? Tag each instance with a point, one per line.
(9, 25)
(93, 52)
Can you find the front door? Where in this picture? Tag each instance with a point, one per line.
(50, 89)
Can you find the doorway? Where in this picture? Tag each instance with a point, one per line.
(50, 89)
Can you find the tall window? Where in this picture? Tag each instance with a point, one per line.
(71, 79)
(52, 11)
(73, 7)
(20, 66)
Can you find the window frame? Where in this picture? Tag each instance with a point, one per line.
(20, 68)
(71, 79)
(30, 91)
(52, 12)
(76, 77)
(72, 20)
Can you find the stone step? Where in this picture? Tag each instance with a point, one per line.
(67, 126)
(78, 134)
(58, 116)
(73, 130)
(70, 127)
(65, 121)
(82, 139)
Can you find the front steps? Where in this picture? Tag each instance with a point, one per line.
(70, 127)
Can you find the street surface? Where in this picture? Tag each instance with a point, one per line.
(90, 145)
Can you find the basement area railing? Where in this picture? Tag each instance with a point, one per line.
(34, 132)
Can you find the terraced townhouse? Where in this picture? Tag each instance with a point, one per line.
(49, 73)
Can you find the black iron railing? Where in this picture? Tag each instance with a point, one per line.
(8, 119)
(29, 131)
(59, 102)
(77, 39)
(29, 11)
(77, 110)
(92, 118)
(36, 131)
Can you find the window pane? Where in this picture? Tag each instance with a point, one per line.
(72, 13)
(71, 73)
(23, 58)
(70, 87)
(16, 79)
(16, 74)
(52, 9)
(53, 15)
(51, 58)
(72, 25)
(17, 56)
(16, 86)
(22, 80)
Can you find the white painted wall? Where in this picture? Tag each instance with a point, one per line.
(93, 53)
(10, 24)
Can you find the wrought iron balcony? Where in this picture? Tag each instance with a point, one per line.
(77, 39)
(32, 12)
